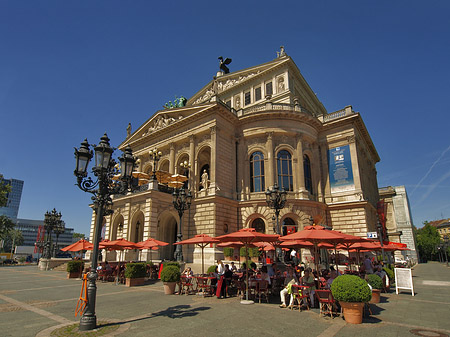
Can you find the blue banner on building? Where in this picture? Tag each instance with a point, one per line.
(340, 169)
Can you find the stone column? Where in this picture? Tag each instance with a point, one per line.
(191, 161)
(270, 173)
(212, 166)
(240, 170)
(172, 158)
(300, 177)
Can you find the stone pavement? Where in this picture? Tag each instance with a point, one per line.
(32, 301)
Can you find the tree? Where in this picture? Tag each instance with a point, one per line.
(13, 236)
(427, 241)
(4, 190)
(6, 225)
(78, 236)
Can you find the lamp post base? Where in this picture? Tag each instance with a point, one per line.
(88, 323)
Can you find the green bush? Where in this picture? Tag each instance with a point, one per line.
(171, 263)
(211, 269)
(390, 274)
(228, 251)
(75, 266)
(350, 288)
(170, 273)
(135, 270)
(252, 252)
(375, 281)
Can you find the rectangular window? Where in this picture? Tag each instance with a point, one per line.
(269, 90)
(247, 98)
(257, 94)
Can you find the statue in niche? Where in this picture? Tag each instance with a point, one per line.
(205, 180)
(237, 102)
(280, 84)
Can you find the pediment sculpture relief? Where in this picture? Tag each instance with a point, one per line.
(161, 122)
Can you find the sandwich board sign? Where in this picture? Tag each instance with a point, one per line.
(403, 279)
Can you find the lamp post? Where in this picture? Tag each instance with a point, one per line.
(276, 199)
(102, 189)
(156, 155)
(52, 220)
(181, 202)
(58, 230)
(380, 235)
(446, 249)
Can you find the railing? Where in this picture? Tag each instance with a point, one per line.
(273, 106)
(338, 114)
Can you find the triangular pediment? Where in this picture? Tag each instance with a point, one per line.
(163, 120)
(224, 83)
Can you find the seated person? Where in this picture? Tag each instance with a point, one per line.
(330, 280)
(288, 282)
(264, 275)
(233, 267)
(188, 272)
(308, 281)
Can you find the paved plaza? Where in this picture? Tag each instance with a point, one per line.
(33, 301)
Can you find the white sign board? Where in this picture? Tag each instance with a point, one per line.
(372, 235)
(403, 279)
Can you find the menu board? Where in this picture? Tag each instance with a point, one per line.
(340, 169)
(403, 279)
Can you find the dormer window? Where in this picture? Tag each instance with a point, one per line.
(247, 99)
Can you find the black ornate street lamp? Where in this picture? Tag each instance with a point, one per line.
(52, 221)
(58, 230)
(380, 235)
(102, 189)
(181, 202)
(276, 199)
(156, 155)
(446, 249)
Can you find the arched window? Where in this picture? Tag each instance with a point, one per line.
(259, 225)
(284, 167)
(307, 173)
(288, 227)
(257, 172)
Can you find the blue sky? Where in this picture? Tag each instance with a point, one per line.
(75, 69)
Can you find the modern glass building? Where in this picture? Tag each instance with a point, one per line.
(11, 209)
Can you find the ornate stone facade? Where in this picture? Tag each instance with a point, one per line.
(249, 130)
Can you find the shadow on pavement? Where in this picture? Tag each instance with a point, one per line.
(178, 311)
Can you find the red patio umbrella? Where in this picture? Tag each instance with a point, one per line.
(77, 246)
(316, 235)
(201, 240)
(247, 236)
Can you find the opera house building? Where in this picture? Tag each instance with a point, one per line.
(243, 133)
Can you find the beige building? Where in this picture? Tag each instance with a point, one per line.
(399, 226)
(249, 130)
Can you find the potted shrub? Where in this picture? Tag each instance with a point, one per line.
(352, 292)
(228, 252)
(377, 284)
(135, 274)
(211, 269)
(170, 276)
(74, 268)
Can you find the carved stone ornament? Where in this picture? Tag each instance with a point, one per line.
(161, 122)
(256, 140)
(221, 86)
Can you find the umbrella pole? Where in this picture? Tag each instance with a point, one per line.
(246, 271)
(203, 261)
(336, 259)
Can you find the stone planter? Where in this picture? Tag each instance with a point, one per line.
(169, 287)
(353, 312)
(131, 282)
(73, 274)
(375, 296)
